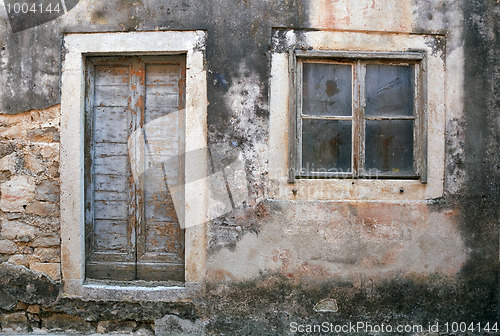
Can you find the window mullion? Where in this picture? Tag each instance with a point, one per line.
(358, 118)
(294, 91)
(297, 139)
(420, 146)
(362, 122)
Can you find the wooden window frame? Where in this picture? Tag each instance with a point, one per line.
(358, 60)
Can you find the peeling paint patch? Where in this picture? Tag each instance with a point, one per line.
(246, 131)
(387, 15)
(342, 240)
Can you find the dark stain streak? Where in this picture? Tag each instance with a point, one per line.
(331, 88)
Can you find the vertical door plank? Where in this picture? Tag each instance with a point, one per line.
(113, 254)
(89, 149)
(136, 207)
(162, 256)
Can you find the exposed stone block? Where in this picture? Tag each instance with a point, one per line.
(28, 250)
(45, 255)
(12, 215)
(144, 331)
(123, 327)
(21, 306)
(43, 134)
(14, 322)
(32, 164)
(5, 175)
(7, 301)
(33, 322)
(54, 170)
(145, 311)
(50, 152)
(18, 231)
(33, 309)
(65, 322)
(43, 208)
(17, 193)
(48, 225)
(7, 247)
(28, 286)
(47, 241)
(6, 148)
(48, 191)
(12, 131)
(53, 270)
(19, 259)
(8, 163)
(174, 325)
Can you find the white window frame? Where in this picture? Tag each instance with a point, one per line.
(76, 48)
(290, 44)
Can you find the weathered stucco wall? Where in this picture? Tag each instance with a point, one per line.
(270, 260)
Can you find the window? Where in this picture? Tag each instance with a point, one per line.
(358, 115)
(353, 114)
(132, 157)
(128, 103)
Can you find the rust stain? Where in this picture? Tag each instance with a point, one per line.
(284, 256)
(140, 105)
(330, 14)
(391, 256)
(310, 270)
(221, 275)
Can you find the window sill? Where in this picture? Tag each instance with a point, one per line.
(353, 189)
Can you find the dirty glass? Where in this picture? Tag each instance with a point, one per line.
(326, 89)
(389, 145)
(389, 90)
(326, 146)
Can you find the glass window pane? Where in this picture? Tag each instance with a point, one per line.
(389, 146)
(389, 90)
(326, 89)
(326, 145)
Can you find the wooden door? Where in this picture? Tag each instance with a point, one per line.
(134, 135)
